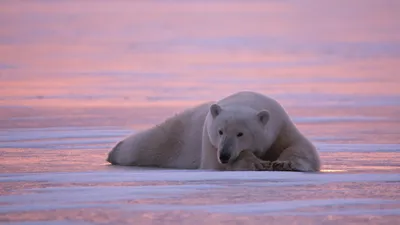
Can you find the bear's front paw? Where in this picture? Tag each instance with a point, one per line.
(282, 166)
(247, 161)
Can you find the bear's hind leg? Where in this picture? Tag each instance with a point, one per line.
(112, 155)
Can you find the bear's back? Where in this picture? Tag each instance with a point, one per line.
(255, 101)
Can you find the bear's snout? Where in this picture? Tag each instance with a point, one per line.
(224, 157)
(225, 152)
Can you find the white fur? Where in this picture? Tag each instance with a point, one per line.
(191, 139)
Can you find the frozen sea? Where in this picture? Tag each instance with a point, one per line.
(78, 76)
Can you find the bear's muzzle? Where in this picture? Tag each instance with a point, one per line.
(225, 152)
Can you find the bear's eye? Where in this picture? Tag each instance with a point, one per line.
(239, 134)
(220, 132)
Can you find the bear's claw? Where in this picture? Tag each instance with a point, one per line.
(279, 166)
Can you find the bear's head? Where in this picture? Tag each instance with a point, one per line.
(234, 129)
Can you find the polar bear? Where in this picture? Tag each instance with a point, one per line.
(243, 131)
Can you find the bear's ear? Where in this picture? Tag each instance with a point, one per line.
(263, 116)
(215, 110)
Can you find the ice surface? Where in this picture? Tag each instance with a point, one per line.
(130, 175)
(51, 223)
(128, 190)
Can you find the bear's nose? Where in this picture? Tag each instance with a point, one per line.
(224, 157)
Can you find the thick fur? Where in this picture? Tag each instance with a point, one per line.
(175, 143)
(202, 136)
